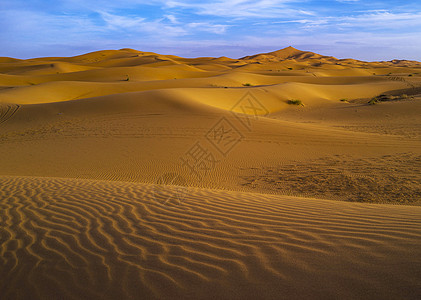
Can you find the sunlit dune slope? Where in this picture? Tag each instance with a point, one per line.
(115, 71)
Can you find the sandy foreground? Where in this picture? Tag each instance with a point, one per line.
(134, 175)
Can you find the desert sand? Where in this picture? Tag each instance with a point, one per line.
(284, 175)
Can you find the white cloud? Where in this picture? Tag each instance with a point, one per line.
(116, 21)
(135, 24)
(203, 26)
(240, 8)
(383, 19)
(375, 20)
(166, 26)
(172, 19)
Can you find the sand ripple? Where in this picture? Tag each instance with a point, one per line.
(86, 239)
(7, 111)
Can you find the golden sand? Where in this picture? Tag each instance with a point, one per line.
(134, 175)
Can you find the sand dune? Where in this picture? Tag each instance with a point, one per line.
(129, 141)
(113, 72)
(127, 174)
(96, 239)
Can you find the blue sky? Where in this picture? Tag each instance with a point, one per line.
(368, 30)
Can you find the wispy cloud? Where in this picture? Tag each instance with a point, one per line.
(167, 25)
(213, 28)
(241, 8)
(134, 24)
(383, 19)
(115, 21)
(368, 22)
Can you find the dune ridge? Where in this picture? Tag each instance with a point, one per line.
(109, 72)
(290, 53)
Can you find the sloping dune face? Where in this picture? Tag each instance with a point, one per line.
(84, 239)
(135, 175)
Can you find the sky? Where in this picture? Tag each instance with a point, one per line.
(366, 30)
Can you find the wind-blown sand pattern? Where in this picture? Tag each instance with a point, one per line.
(7, 111)
(396, 179)
(99, 200)
(71, 239)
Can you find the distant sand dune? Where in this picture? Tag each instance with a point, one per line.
(109, 72)
(72, 239)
